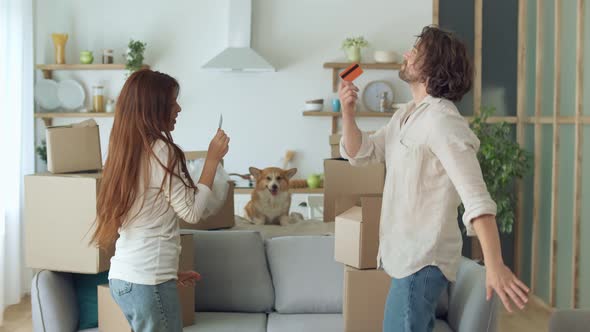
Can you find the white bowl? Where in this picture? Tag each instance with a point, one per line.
(386, 56)
(314, 107)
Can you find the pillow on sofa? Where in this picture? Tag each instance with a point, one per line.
(87, 298)
(305, 276)
(235, 276)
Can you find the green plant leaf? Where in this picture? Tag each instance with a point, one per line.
(502, 161)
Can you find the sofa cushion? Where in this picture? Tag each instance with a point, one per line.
(305, 322)
(305, 276)
(235, 276)
(227, 322)
(468, 308)
(87, 297)
(53, 302)
(441, 326)
(442, 307)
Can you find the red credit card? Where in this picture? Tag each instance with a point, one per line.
(351, 73)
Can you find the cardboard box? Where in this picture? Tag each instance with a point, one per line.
(365, 294)
(110, 316)
(225, 218)
(342, 179)
(335, 145)
(357, 234)
(194, 155)
(74, 148)
(60, 214)
(186, 262)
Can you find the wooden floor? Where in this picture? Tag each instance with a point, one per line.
(533, 319)
(17, 318)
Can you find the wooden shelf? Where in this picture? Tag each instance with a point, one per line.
(336, 68)
(339, 114)
(383, 66)
(74, 115)
(48, 69)
(48, 117)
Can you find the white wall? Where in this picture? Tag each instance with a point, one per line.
(262, 111)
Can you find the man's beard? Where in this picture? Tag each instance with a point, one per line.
(405, 76)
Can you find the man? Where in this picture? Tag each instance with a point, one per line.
(430, 154)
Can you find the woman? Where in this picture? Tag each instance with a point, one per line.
(144, 190)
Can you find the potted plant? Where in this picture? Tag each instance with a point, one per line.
(42, 150)
(352, 46)
(502, 161)
(134, 55)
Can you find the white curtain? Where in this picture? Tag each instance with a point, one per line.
(16, 143)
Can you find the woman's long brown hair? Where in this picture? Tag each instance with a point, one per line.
(142, 116)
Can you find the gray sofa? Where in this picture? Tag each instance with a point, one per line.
(286, 284)
(570, 320)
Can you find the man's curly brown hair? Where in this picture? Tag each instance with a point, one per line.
(444, 64)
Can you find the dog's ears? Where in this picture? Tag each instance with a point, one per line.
(289, 174)
(255, 172)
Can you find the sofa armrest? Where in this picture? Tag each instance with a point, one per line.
(53, 301)
(468, 308)
(570, 320)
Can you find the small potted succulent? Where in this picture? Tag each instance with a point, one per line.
(352, 46)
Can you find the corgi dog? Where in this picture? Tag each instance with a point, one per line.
(271, 199)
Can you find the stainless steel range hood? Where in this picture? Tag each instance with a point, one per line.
(239, 56)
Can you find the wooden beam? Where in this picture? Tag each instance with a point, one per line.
(47, 74)
(435, 11)
(560, 119)
(497, 119)
(555, 163)
(335, 79)
(520, 126)
(538, 145)
(334, 125)
(578, 155)
(478, 17)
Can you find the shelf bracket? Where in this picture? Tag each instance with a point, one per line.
(48, 121)
(335, 80)
(47, 73)
(334, 125)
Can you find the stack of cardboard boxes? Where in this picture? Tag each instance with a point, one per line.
(60, 216)
(60, 208)
(352, 198)
(356, 246)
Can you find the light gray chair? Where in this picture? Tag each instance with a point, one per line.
(570, 321)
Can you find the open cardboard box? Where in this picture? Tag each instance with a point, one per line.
(357, 231)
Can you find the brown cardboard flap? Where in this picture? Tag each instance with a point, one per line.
(225, 217)
(346, 201)
(354, 214)
(341, 178)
